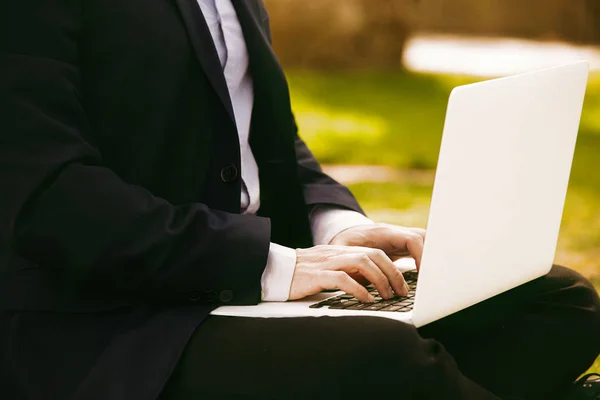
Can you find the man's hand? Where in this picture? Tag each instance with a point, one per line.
(354, 255)
(396, 241)
(332, 267)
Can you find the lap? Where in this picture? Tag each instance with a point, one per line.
(304, 356)
(359, 355)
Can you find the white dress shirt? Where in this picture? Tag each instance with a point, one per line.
(326, 222)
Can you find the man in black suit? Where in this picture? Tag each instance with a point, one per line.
(151, 171)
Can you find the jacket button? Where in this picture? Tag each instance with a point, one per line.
(226, 296)
(195, 295)
(211, 296)
(229, 173)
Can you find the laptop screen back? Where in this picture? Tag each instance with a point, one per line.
(500, 187)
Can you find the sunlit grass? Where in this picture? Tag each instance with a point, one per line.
(596, 367)
(390, 118)
(590, 121)
(406, 112)
(320, 122)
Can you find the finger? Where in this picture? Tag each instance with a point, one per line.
(362, 263)
(421, 232)
(393, 240)
(414, 245)
(342, 281)
(391, 271)
(383, 262)
(394, 277)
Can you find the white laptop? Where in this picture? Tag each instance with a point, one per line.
(497, 202)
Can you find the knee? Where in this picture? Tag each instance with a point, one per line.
(570, 289)
(401, 347)
(387, 341)
(572, 284)
(391, 346)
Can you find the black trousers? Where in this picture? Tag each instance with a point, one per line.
(528, 343)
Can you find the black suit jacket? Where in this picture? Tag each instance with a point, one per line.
(120, 225)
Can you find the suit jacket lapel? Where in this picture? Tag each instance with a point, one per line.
(252, 5)
(272, 136)
(256, 39)
(204, 47)
(272, 119)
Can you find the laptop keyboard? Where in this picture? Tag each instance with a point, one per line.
(395, 304)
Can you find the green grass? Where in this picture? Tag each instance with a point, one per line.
(396, 119)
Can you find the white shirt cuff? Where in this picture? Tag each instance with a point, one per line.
(277, 277)
(327, 221)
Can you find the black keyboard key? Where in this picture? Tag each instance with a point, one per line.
(396, 304)
(343, 304)
(390, 308)
(374, 307)
(358, 306)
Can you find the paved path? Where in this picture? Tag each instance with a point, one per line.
(487, 57)
(349, 174)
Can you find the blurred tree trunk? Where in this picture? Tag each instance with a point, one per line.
(570, 20)
(340, 33)
(593, 7)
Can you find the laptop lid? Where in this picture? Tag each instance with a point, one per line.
(500, 187)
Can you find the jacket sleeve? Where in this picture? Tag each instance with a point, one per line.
(61, 208)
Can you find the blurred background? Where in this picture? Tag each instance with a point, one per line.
(370, 81)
